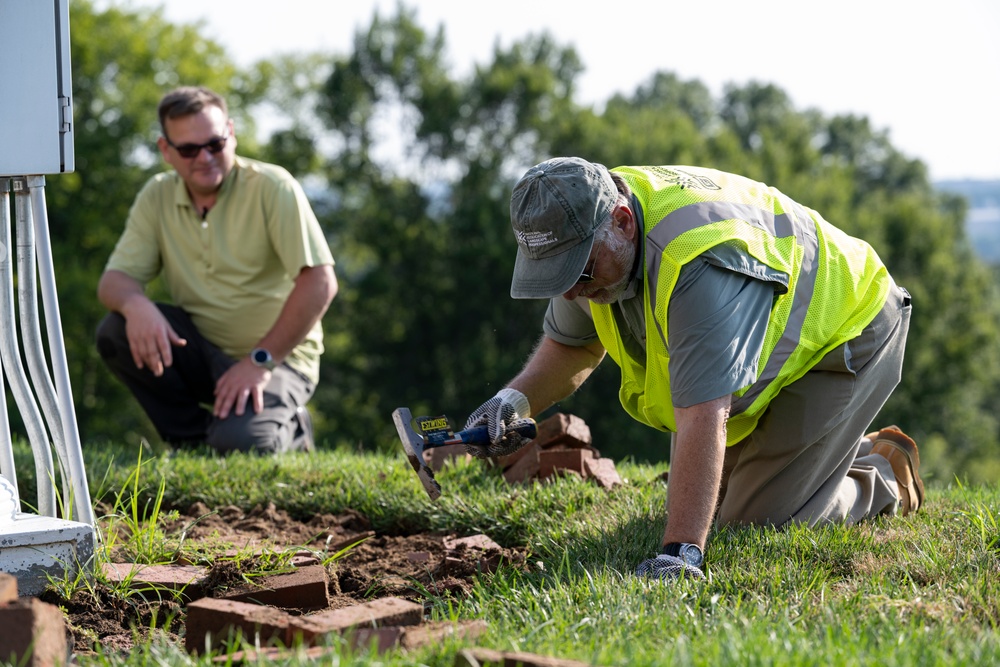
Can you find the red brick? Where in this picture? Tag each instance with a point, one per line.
(505, 462)
(525, 468)
(563, 429)
(603, 472)
(452, 565)
(346, 542)
(275, 653)
(186, 579)
(383, 639)
(377, 613)
(304, 561)
(8, 587)
(437, 457)
(303, 588)
(435, 632)
(35, 628)
(489, 658)
(211, 622)
(550, 460)
(408, 638)
(480, 541)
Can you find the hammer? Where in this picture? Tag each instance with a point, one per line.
(436, 432)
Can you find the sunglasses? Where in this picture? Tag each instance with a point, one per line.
(588, 271)
(189, 151)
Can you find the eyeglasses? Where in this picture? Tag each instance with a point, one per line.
(588, 271)
(214, 145)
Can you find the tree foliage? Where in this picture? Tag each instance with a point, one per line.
(410, 170)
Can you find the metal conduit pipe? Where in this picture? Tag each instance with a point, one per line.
(19, 385)
(7, 468)
(31, 340)
(57, 350)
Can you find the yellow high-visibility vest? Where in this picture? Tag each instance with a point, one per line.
(836, 283)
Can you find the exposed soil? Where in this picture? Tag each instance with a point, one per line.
(420, 568)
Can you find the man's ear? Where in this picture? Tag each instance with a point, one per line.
(624, 220)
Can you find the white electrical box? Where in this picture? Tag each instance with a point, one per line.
(36, 100)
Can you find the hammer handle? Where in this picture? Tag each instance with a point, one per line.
(478, 435)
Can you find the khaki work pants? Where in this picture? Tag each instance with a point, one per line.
(807, 461)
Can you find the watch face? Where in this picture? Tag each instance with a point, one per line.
(691, 554)
(262, 358)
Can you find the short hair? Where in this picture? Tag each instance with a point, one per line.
(188, 100)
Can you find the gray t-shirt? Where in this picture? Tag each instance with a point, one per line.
(717, 315)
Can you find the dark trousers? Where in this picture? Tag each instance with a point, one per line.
(179, 402)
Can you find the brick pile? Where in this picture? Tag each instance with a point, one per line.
(293, 608)
(563, 446)
(269, 617)
(290, 608)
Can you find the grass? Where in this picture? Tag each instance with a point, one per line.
(920, 590)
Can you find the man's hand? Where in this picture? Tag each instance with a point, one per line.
(667, 568)
(243, 381)
(150, 337)
(498, 413)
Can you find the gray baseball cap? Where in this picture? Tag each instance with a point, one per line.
(554, 210)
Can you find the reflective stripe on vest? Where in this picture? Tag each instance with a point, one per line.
(801, 225)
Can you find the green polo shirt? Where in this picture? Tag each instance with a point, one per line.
(233, 270)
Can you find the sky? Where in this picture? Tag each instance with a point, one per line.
(927, 73)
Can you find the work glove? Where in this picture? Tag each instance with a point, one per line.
(500, 415)
(667, 568)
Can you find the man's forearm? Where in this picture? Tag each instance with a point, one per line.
(315, 287)
(696, 471)
(116, 289)
(555, 371)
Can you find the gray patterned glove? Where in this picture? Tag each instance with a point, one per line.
(509, 442)
(499, 413)
(667, 568)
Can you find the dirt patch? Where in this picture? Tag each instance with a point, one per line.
(233, 543)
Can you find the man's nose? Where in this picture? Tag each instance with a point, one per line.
(573, 292)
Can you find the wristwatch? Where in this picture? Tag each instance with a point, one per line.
(262, 358)
(689, 553)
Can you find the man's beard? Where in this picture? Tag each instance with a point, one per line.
(622, 253)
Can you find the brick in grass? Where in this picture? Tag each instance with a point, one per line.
(551, 460)
(303, 588)
(603, 472)
(8, 587)
(186, 580)
(383, 612)
(526, 467)
(478, 541)
(436, 632)
(33, 634)
(211, 622)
